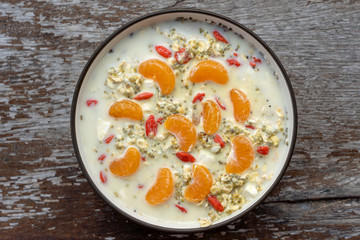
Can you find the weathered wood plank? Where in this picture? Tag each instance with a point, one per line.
(301, 220)
(45, 44)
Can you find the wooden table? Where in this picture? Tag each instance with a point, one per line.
(43, 48)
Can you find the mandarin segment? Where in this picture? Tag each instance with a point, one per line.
(211, 117)
(200, 185)
(160, 72)
(241, 105)
(184, 131)
(162, 189)
(241, 155)
(127, 164)
(126, 109)
(209, 70)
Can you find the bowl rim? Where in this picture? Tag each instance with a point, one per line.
(98, 51)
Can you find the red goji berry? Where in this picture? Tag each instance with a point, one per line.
(235, 54)
(221, 104)
(151, 126)
(249, 126)
(264, 150)
(160, 120)
(181, 208)
(103, 177)
(91, 102)
(102, 157)
(219, 37)
(185, 157)
(144, 96)
(163, 51)
(198, 97)
(257, 60)
(140, 186)
(143, 159)
(252, 64)
(219, 140)
(182, 56)
(108, 140)
(233, 62)
(215, 203)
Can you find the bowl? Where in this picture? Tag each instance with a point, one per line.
(194, 15)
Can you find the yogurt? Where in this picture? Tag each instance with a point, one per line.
(103, 138)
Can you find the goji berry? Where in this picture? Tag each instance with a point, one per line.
(181, 208)
(108, 140)
(198, 97)
(102, 157)
(257, 60)
(151, 126)
(221, 104)
(163, 51)
(252, 64)
(264, 150)
(219, 37)
(103, 177)
(160, 120)
(91, 102)
(235, 54)
(144, 96)
(182, 56)
(249, 126)
(215, 203)
(233, 62)
(185, 157)
(219, 140)
(140, 186)
(143, 159)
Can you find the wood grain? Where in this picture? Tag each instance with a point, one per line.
(43, 48)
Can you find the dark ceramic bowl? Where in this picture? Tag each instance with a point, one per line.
(213, 18)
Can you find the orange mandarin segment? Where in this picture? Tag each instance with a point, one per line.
(126, 109)
(184, 131)
(200, 185)
(160, 72)
(211, 117)
(241, 155)
(241, 105)
(209, 70)
(162, 189)
(127, 164)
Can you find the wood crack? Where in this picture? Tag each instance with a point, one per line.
(313, 199)
(176, 3)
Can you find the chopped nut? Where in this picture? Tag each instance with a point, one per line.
(142, 143)
(253, 176)
(195, 119)
(186, 173)
(275, 140)
(205, 222)
(216, 149)
(280, 113)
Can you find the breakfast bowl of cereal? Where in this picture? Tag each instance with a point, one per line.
(183, 120)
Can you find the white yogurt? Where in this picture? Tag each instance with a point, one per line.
(259, 84)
